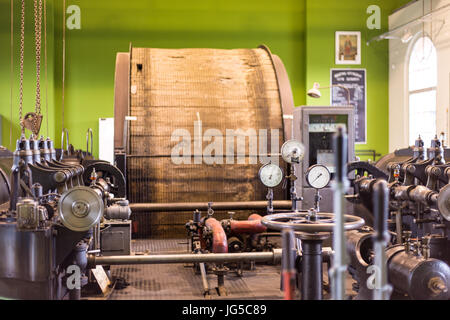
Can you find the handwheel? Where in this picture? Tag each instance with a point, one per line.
(305, 222)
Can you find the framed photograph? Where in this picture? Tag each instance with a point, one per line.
(348, 47)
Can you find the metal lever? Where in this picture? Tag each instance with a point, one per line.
(381, 237)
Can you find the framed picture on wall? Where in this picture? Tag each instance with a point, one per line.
(348, 47)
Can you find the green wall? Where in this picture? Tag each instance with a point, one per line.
(323, 18)
(301, 32)
(29, 83)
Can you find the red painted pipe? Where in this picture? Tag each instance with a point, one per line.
(220, 242)
(289, 278)
(251, 226)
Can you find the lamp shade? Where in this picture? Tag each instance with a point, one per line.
(314, 92)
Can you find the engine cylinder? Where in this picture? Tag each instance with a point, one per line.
(420, 278)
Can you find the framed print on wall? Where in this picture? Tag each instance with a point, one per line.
(348, 47)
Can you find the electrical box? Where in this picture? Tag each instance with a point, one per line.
(314, 126)
(116, 238)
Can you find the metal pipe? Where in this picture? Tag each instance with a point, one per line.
(220, 242)
(381, 237)
(273, 256)
(288, 272)
(251, 226)
(190, 206)
(340, 184)
(204, 279)
(311, 269)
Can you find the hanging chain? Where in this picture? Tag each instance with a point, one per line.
(32, 120)
(11, 73)
(63, 64)
(37, 31)
(45, 64)
(22, 47)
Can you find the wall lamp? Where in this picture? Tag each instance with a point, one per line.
(314, 92)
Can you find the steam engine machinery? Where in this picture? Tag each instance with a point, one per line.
(56, 206)
(416, 240)
(64, 213)
(65, 218)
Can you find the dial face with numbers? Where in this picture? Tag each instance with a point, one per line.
(292, 151)
(270, 175)
(318, 176)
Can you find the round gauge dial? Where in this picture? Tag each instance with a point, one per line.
(270, 175)
(318, 176)
(292, 151)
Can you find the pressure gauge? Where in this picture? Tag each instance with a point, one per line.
(292, 151)
(318, 176)
(271, 175)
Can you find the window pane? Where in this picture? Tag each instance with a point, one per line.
(422, 65)
(422, 116)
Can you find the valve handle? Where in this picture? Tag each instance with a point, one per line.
(300, 221)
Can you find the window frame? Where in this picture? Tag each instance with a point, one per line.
(409, 92)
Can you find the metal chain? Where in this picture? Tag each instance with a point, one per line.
(37, 30)
(11, 73)
(22, 47)
(45, 64)
(37, 34)
(63, 64)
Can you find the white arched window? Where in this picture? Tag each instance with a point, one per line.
(422, 90)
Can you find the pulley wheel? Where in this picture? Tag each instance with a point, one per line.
(443, 202)
(80, 208)
(302, 221)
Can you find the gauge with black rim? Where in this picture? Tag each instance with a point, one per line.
(318, 176)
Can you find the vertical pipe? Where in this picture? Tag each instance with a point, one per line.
(288, 273)
(340, 184)
(204, 279)
(381, 237)
(311, 269)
